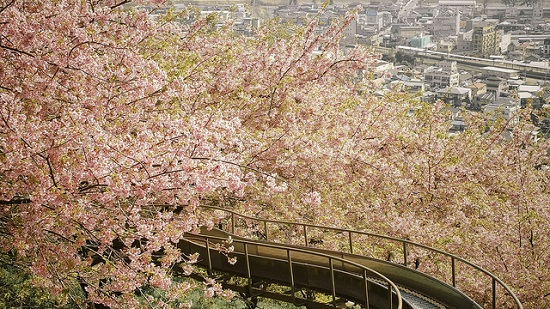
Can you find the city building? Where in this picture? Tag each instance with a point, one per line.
(511, 26)
(373, 18)
(420, 41)
(445, 46)
(546, 48)
(506, 107)
(446, 24)
(464, 43)
(478, 89)
(467, 8)
(414, 86)
(538, 13)
(497, 85)
(406, 31)
(486, 40)
(446, 75)
(456, 96)
(386, 19)
(499, 72)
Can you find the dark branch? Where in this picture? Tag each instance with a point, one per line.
(7, 6)
(15, 201)
(17, 51)
(119, 4)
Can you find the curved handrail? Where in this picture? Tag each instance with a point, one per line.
(405, 244)
(247, 244)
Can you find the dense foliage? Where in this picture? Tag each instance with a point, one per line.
(18, 291)
(105, 113)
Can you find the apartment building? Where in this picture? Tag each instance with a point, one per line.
(486, 40)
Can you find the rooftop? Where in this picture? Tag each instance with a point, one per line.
(456, 3)
(496, 69)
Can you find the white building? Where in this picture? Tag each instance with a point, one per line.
(373, 18)
(500, 72)
(467, 8)
(506, 107)
(446, 75)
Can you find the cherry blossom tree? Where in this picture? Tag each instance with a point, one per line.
(333, 154)
(106, 113)
(97, 125)
(115, 127)
(482, 194)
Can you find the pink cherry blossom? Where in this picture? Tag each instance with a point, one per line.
(115, 128)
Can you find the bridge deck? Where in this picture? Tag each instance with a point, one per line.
(346, 276)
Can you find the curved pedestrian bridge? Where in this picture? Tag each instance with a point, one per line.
(308, 274)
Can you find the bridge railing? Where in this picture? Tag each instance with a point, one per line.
(249, 250)
(446, 266)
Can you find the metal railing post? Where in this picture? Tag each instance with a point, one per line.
(405, 253)
(453, 270)
(232, 223)
(494, 286)
(366, 288)
(291, 272)
(265, 231)
(248, 269)
(350, 242)
(330, 261)
(209, 258)
(305, 234)
(390, 292)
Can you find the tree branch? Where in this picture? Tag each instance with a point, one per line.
(7, 6)
(50, 168)
(16, 50)
(119, 4)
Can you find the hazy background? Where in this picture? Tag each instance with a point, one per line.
(283, 2)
